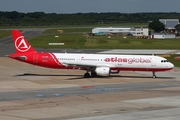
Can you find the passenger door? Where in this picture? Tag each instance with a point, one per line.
(35, 58)
(153, 62)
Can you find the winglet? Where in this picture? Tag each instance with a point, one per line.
(20, 43)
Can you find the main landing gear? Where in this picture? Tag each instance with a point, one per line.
(87, 75)
(154, 76)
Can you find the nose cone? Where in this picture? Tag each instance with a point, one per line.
(171, 66)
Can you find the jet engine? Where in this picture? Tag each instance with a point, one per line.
(103, 71)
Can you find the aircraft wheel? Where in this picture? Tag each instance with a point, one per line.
(86, 75)
(93, 74)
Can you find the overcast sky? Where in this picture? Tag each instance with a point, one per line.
(86, 6)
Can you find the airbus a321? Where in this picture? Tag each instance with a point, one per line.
(93, 64)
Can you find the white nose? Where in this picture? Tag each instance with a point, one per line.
(171, 65)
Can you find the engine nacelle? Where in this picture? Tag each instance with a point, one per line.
(103, 71)
(114, 71)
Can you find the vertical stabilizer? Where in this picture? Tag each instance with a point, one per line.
(20, 43)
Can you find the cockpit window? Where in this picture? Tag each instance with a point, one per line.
(163, 61)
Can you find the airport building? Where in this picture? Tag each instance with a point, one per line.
(162, 36)
(133, 31)
(169, 23)
(170, 29)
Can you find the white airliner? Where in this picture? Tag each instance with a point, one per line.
(96, 64)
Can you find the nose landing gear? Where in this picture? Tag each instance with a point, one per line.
(154, 75)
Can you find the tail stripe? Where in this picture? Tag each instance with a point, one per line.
(55, 59)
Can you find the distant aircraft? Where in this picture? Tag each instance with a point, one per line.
(96, 64)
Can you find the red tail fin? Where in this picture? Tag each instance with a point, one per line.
(20, 43)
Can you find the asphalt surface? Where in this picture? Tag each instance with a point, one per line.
(29, 92)
(77, 91)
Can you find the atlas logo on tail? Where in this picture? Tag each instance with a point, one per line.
(21, 44)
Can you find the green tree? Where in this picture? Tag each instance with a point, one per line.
(177, 27)
(42, 19)
(157, 26)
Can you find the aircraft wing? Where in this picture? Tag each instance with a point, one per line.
(85, 66)
(80, 66)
